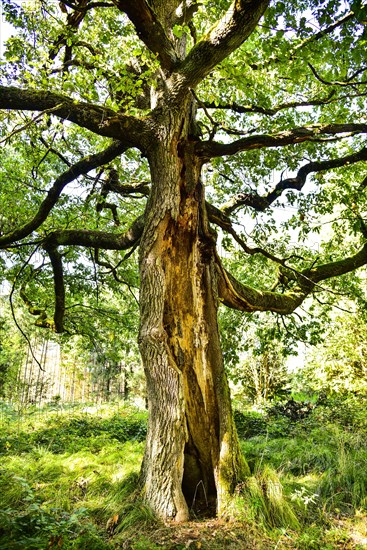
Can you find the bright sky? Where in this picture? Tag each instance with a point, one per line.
(5, 30)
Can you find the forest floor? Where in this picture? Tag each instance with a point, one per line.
(68, 476)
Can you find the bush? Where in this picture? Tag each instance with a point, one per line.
(291, 409)
(249, 423)
(32, 525)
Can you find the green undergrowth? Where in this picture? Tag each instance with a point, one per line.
(309, 473)
(68, 479)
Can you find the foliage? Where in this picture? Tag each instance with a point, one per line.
(274, 91)
(338, 365)
(12, 350)
(58, 467)
(62, 433)
(249, 423)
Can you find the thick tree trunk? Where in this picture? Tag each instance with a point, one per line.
(192, 458)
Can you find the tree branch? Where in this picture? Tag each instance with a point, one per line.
(59, 287)
(236, 295)
(97, 239)
(317, 36)
(150, 30)
(23, 267)
(89, 239)
(224, 37)
(82, 167)
(261, 203)
(19, 129)
(243, 109)
(309, 40)
(88, 7)
(100, 120)
(343, 83)
(337, 268)
(210, 149)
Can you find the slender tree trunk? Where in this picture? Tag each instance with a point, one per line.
(192, 457)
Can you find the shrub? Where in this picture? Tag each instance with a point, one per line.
(249, 423)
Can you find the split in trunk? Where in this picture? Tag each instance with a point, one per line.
(192, 458)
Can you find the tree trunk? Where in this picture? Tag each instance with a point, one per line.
(192, 458)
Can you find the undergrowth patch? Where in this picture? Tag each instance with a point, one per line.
(68, 479)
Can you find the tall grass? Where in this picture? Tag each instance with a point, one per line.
(261, 499)
(69, 480)
(62, 478)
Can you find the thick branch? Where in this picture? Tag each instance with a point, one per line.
(149, 30)
(82, 167)
(89, 239)
(340, 267)
(261, 203)
(88, 7)
(210, 149)
(225, 37)
(97, 239)
(100, 120)
(139, 188)
(236, 295)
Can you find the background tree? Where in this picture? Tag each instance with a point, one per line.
(339, 364)
(203, 118)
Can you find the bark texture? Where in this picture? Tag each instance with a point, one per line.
(192, 451)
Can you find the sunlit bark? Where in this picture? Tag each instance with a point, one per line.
(192, 451)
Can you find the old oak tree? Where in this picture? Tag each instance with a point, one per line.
(203, 115)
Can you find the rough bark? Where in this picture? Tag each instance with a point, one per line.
(103, 121)
(192, 451)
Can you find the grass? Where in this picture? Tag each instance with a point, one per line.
(63, 476)
(68, 480)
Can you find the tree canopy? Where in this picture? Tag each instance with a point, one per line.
(298, 79)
